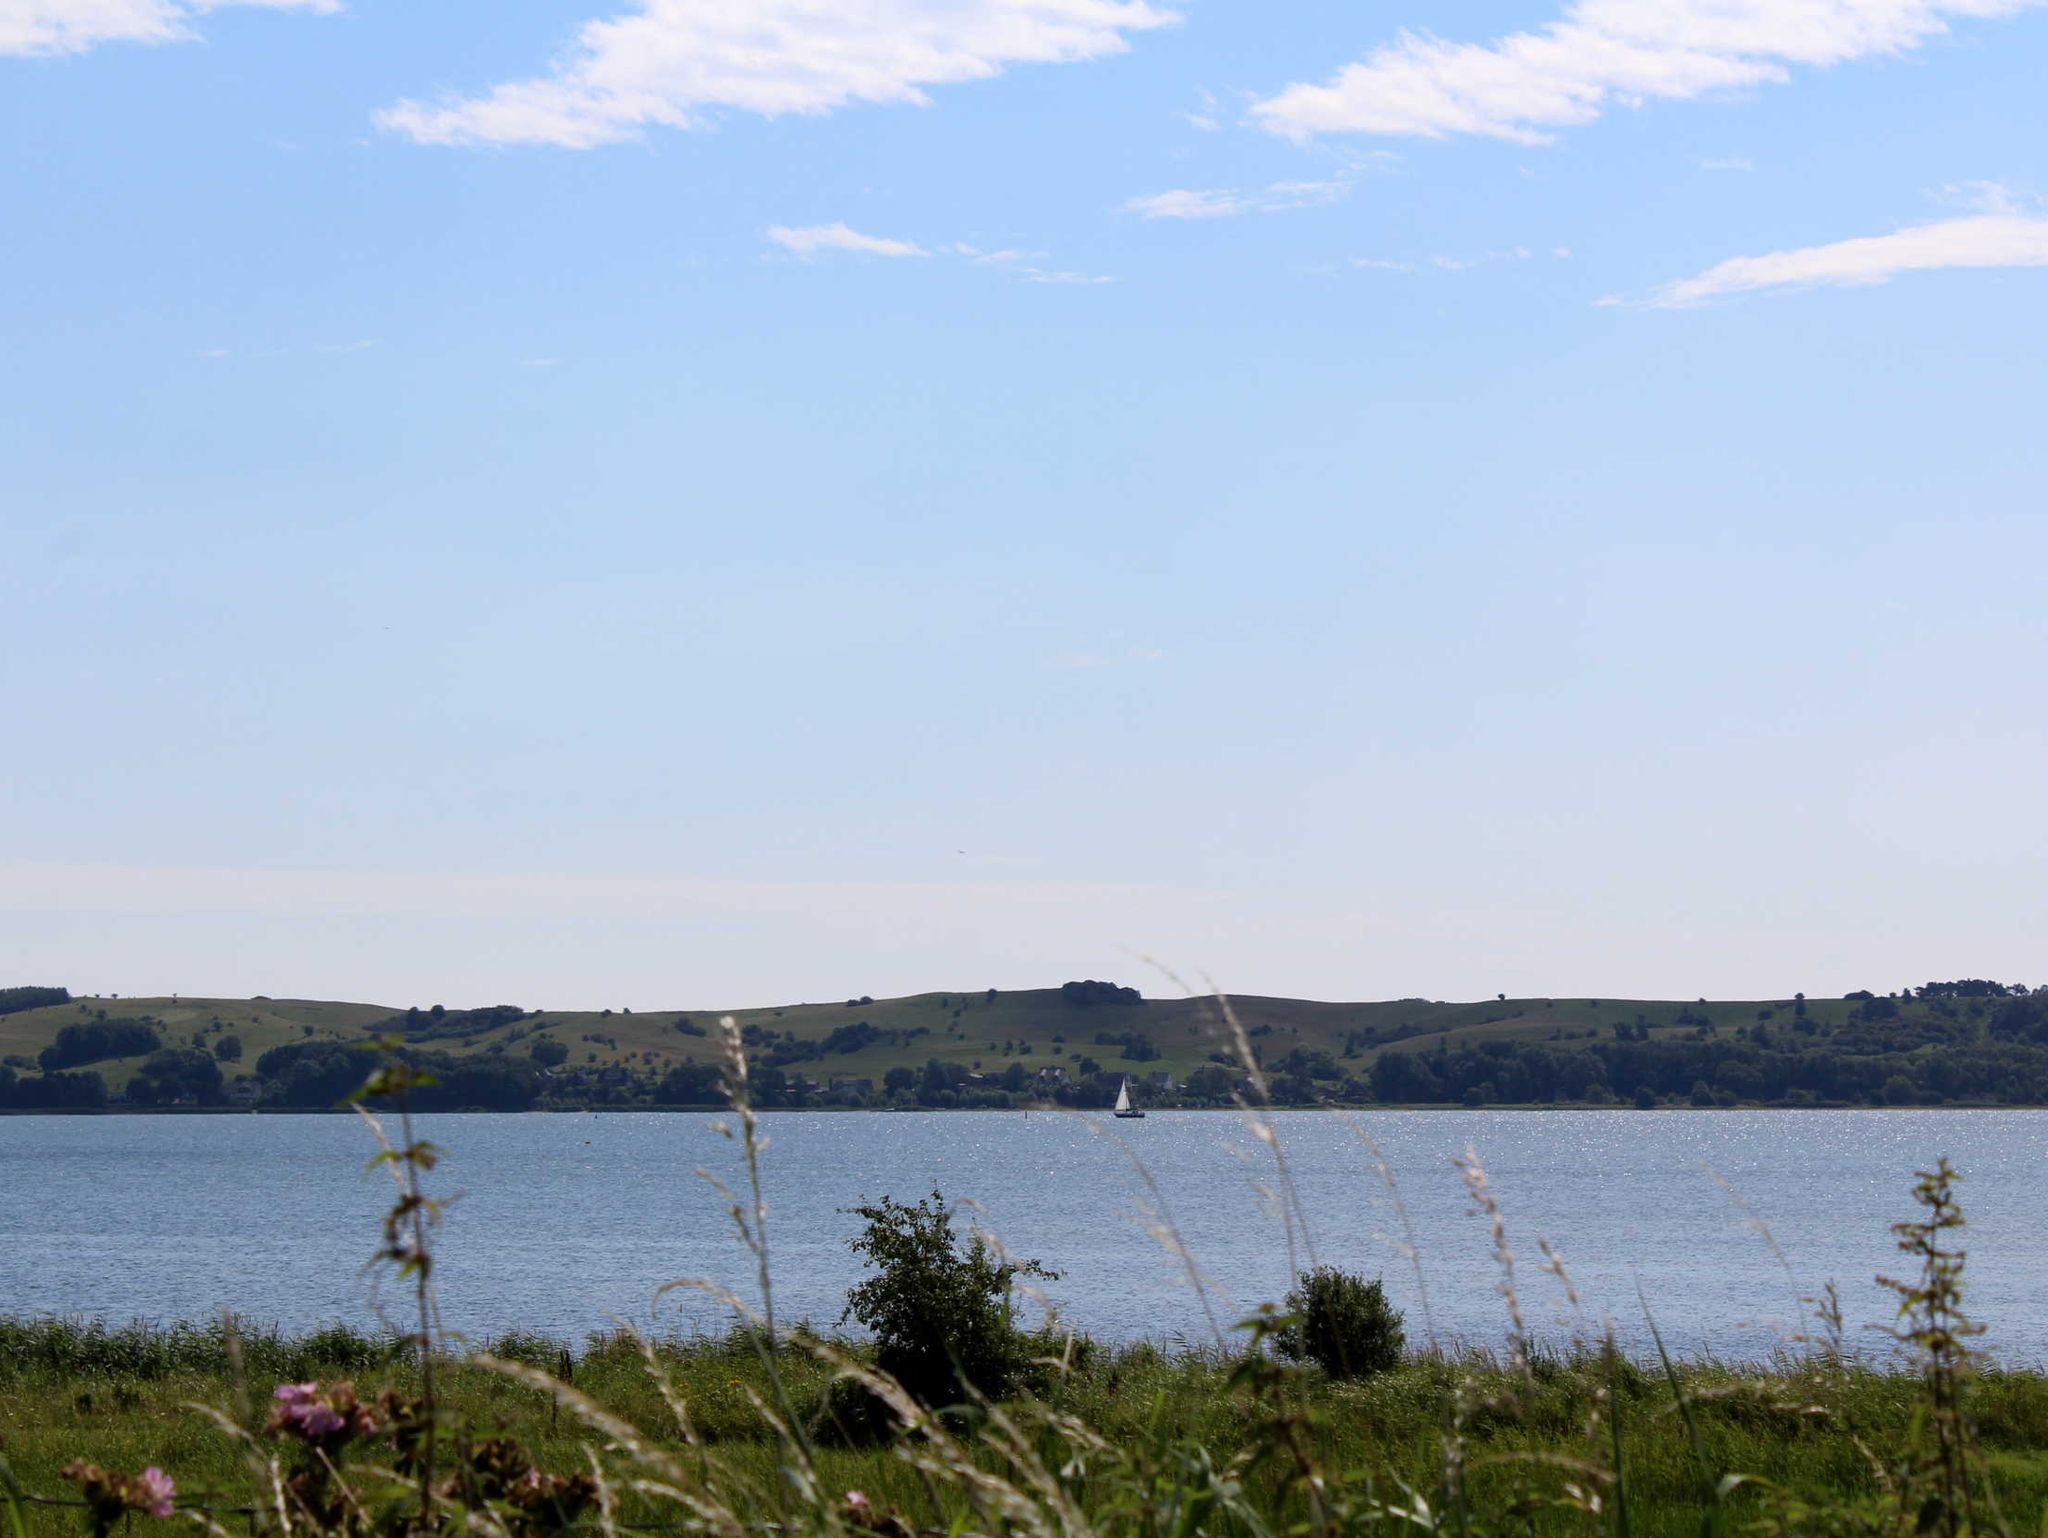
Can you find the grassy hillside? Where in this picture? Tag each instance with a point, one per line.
(981, 1030)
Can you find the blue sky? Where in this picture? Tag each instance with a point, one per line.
(707, 503)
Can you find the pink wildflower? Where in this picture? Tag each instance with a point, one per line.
(855, 1499)
(152, 1491)
(300, 1409)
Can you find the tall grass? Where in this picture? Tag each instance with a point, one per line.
(401, 1433)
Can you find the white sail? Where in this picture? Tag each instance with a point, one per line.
(1123, 1095)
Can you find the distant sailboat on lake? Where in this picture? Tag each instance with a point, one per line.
(1123, 1099)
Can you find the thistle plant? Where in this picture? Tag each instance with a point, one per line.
(1941, 1475)
(406, 1246)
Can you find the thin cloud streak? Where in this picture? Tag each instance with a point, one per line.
(1599, 54)
(807, 240)
(1974, 241)
(1228, 203)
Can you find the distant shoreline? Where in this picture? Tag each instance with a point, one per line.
(1042, 1110)
(1969, 1043)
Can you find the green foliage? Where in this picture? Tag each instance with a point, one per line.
(176, 1075)
(692, 1084)
(1969, 1041)
(323, 1074)
(14, 1000)
(1341, 1322)
(1091, 992)
(85, 1091)
(85, 1351)
(939, 1309)
(94, 1041)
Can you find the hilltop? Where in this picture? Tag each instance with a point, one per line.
(1971, 1042)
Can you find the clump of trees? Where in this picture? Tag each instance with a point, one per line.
(1090, 992)
(1136, 1046)
(1957, 1043)
(177, 1076)
(51, 1091)
(419, 1024)
(15, 1000)
(319, 1075)
(94, 1041)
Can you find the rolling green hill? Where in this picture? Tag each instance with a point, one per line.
(1948, 1042)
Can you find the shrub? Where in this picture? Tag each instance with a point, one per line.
(1343, 1323)
(940, 1311)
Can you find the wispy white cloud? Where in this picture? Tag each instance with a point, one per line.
(1025, 265)
(1984, 197)
(1001, 257)
(1061, 276)
(1208, 117)
(1228, 203)
(807, 240)
(676, 63)
(41, 27)
(1973, 240)
(1483, 259)
(1602, 53)
(1448, 262)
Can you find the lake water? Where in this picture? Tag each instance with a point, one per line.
(567, 1223)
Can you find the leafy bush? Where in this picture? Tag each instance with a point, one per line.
(940, 1311)
(1343, 1323)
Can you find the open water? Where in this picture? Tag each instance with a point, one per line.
(569, 1223)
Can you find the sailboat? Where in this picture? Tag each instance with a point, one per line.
(1123, 1099)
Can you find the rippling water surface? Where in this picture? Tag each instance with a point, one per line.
(566, 1223)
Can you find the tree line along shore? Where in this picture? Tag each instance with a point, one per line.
(1961, 1042)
